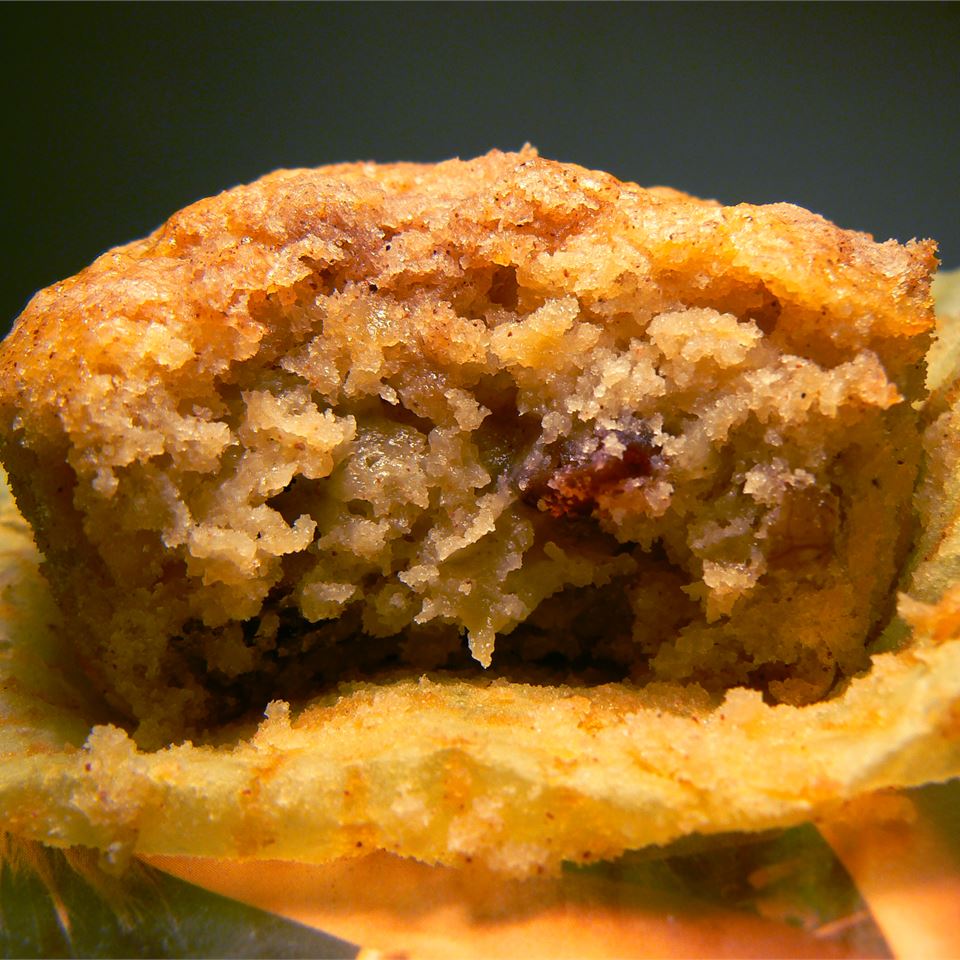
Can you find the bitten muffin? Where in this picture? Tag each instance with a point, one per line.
(506, 415)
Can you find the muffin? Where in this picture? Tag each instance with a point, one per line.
(502, 436)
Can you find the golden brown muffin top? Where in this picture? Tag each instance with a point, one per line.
(399, 225)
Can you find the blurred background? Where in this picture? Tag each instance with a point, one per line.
(118, 115)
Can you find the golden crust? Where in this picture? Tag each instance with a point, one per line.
(198, 271)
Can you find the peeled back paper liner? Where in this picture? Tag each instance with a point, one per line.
(517, 776)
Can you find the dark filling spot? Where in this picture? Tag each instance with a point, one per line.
(571, 479)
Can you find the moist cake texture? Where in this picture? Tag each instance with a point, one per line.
(512, 414)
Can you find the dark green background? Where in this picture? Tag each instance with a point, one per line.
(117, 115)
